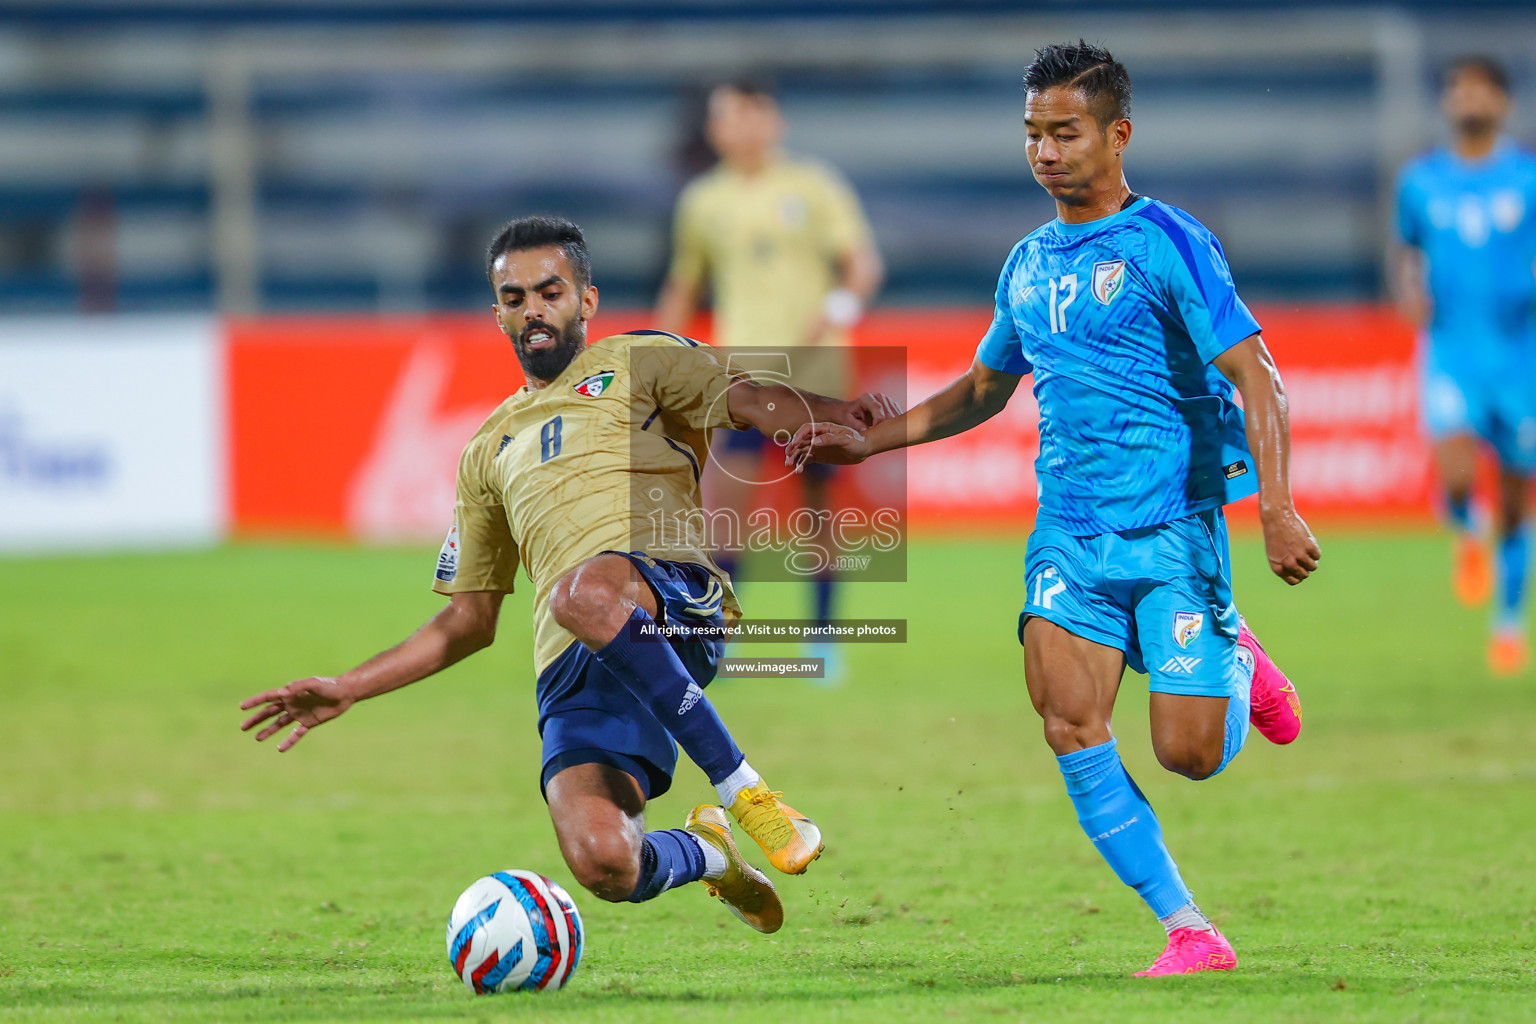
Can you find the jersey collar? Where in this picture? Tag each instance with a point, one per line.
(1500, 150)
(1103, 222)
(776, 160)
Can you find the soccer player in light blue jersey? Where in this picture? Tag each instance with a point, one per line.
(1124, 311)
(1466, 220)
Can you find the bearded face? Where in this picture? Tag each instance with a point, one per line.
(545, 349)
(1473, 103)
(542, 307)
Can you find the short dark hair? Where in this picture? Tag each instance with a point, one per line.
(1480, 64)
(535, 233)
(1092, 70)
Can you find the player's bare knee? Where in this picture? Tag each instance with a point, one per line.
(1511, 517)
(1191, 762)
(606, 866)
(582, 603)
(564, 604)
(1066, 735)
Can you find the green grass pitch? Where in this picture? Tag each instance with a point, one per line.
(156, 865)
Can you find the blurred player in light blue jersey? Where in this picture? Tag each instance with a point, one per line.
(1466, 218)
(1124, 311)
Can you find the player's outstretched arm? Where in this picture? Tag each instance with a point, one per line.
(971, 399)
(465, 625)
(1292, 550)
(780, 410)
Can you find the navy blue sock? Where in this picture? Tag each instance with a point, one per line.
(641, 659)
(667, 860)
(1459, 510)
(1514, 564)
(1122, 826)
(824, 585)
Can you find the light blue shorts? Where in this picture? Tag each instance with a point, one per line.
(1502, 413)
(1162, 594)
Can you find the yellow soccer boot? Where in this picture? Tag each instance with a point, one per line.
(744, 890)
(789, 838)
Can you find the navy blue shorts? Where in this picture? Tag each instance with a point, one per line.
(587, 716)
(752, 442)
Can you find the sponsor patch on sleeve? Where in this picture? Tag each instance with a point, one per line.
(448, 556)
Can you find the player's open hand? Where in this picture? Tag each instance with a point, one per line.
(304, 704)
(1288, 542)
(832, 443)
(873, 407)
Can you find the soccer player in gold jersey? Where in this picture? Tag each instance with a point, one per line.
(784, 247)
(588, 478)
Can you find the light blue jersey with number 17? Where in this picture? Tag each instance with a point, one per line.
(1119, 319)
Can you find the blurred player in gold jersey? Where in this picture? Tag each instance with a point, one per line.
(588, 478)
(787, 253)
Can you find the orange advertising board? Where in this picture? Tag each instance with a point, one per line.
(352, 425)
(331, 416)
(1358, 452)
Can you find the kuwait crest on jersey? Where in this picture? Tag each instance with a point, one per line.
(1108, 280)
(1187, 626)
(596, 384)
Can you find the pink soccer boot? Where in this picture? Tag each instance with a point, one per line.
(1274, 709)
(1190, 950)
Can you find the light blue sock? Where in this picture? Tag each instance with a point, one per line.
(667, 860)
(1121, 824)
(1237, 715)
(1514, 564)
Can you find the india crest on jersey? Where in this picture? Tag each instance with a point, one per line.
(596, 384)
(1187, 626)
(1108, 280)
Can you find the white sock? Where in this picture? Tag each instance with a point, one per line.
(744, 776)
(1187, 916)
(714, 860)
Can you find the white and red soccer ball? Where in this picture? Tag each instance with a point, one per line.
(514, 931)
